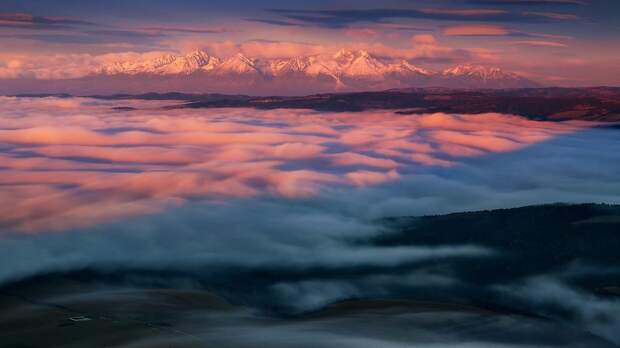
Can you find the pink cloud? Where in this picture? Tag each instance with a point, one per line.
(368, 178)
(352, 159)
(573, 61)
(463, 12)
(540, 43)
(78, 175)
(363, 33)
(487, 142)
(134, 154)
(426, 159)
(224, 48)
(300, 183)
(553, 15)
(476, 30)
(424, 39)
(279, 49)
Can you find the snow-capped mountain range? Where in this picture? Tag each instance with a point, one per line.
(344, 63)
(200, 73)
(346, 70)
(165, 65)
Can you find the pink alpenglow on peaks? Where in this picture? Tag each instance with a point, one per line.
(239, 73)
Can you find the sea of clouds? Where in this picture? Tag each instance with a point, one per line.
(215, 191)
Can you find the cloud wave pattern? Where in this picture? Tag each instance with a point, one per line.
(75, 162)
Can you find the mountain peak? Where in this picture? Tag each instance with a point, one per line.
(343, 53)
(477, 70)
(291, 65)
(363, 64)
(347, 69)
(238, 64)
(242, 57)
(351, 54)
(198, 55)
(478, 76)
(404, 67)
(363, 53)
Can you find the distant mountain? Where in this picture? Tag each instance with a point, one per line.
(352, 66)
(199, 72)
(164, 65)
(475, 76)
(237, 65)
(600, 104)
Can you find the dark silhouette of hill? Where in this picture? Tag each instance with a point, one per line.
(552, 104)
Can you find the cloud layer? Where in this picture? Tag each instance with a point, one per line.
(142, 161)
(214, 197)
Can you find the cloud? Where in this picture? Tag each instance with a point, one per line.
(145, 161)
(29, 21)
(284, 23)
(308, 295)
(49, 66)
(212, 321)
(425, 48)
(279, 49)
(273, 232)
(224, 199)
(369, 178)
(395, 27)
(553, 15)
(225, 48)
(108, 166)
(364, 33)
(64, 66)
(530, 2)
(62, 31)
(463, 12)
(343, 18)
(262, 49)
(184, 30)
(476, 30)
(424, 39)
(92, 37)
(540, 43)
(491, 30)
(599, 315)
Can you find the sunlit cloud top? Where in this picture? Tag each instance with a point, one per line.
(59, 154)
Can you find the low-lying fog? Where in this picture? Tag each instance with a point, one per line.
(214, 190)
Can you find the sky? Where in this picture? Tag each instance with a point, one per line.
(556, 42)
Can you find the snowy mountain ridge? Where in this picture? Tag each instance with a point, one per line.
(358, 63)
(347, 70)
